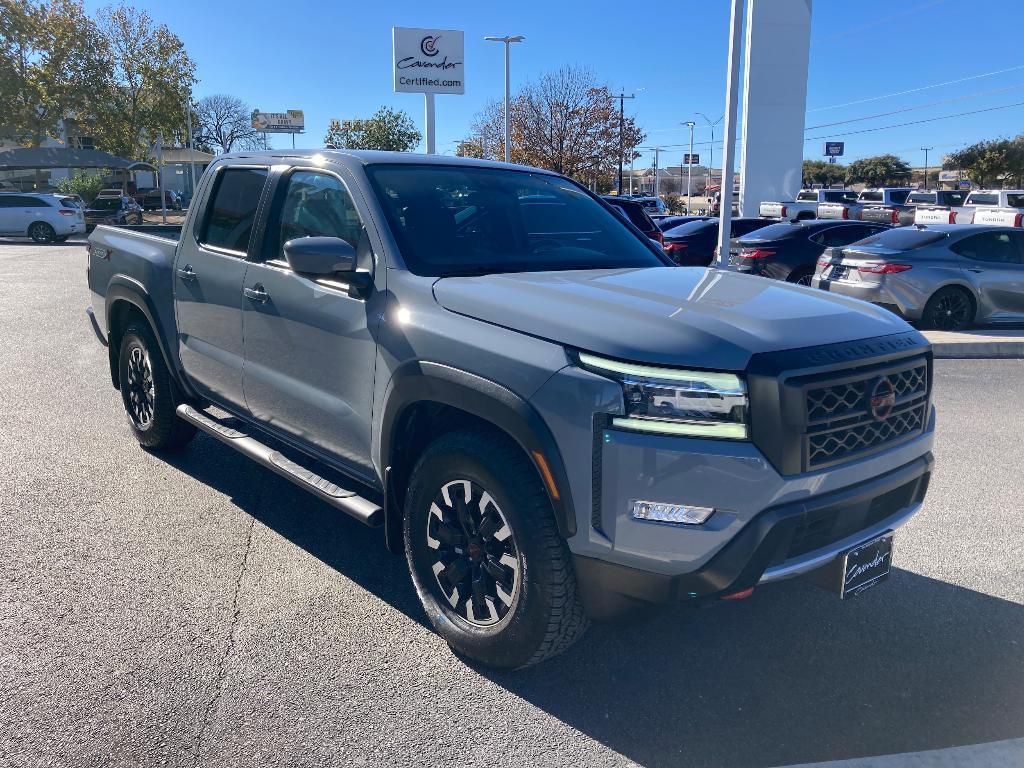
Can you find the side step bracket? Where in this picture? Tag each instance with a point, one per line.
(340, 498)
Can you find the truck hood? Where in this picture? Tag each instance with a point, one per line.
(684, 316)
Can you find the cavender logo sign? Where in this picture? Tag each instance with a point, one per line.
(428, 60)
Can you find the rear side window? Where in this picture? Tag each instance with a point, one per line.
(1015, 200)
(232, 210)
(899, 197)
(904, 238)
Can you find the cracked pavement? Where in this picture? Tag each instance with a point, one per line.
(196, 610)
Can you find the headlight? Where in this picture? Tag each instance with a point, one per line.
(669, 401)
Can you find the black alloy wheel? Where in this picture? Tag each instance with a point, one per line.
(475, 560)
(951, 309)
(41, 232)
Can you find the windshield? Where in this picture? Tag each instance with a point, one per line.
(452, 220)
(903, 238)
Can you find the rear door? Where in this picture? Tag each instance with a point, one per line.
(208, 274)
(993, 264)
(309, 350)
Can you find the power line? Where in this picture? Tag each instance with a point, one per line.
(918, 90)
(919, 106)
(917, 122)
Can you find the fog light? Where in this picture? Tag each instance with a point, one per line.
(681, 514)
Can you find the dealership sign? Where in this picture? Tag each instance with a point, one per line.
(292, 121)
(834, 148)
(428, 60)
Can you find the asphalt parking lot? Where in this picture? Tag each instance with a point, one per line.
(197, 610)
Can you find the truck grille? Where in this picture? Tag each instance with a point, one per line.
(840, 424)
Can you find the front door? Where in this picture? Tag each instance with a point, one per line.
(208, 275)
(992, 262)
(309, 353)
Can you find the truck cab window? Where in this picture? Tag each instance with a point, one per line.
(316, 205)
(232, 210)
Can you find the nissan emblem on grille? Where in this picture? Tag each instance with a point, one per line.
(883, 399)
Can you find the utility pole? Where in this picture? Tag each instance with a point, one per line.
(711, 149)
(631, 176)
(926, 151)
(622, 118)
(657, 186)
(191, 149)
(689, 166)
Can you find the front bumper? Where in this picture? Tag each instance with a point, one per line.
(781, 542)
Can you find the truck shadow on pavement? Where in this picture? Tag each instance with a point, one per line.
(791, 675)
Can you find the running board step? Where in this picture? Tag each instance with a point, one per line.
(340, 498)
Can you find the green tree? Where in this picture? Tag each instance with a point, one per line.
(822, 172)
(388, 129)
(151, 76)
(52, 66)
(988, 162)
(878, 171)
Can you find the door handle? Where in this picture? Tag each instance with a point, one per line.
(187, 274)
(256, 293)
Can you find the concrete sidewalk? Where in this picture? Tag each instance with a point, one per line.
(997, 754)
(981, 343)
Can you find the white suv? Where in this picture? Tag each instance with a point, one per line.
(44, 218)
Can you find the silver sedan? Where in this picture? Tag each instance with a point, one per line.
(946, 276)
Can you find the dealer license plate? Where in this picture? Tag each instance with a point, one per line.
(866, 565)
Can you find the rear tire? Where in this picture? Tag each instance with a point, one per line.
(949, 309)
(41, 232)
(487, 560)
(150, 396)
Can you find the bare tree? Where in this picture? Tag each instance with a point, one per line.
(224, 124)
(565, 121)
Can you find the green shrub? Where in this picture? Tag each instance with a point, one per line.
(87, 185)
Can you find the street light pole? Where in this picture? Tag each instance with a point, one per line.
(689, 166)
(191, 149)
(622, 119)
(729, 149)
(507, 40)
(711, 150)
(926, 151)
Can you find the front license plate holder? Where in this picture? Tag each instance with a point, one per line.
(866, 565)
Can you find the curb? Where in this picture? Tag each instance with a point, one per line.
(978, 350)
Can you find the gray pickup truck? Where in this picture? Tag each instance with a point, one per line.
(546, 417)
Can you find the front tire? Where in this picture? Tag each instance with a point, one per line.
(41, 232)
(487, 560)
(149, 395)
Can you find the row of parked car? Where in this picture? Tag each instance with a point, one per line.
(942, 275)
(902, 206)
(53, 217)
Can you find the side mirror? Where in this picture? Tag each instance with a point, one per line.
(325, 256)
(320, 255)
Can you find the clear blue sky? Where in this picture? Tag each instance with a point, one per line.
(333, 59)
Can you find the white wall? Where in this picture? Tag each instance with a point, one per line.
(774, 101)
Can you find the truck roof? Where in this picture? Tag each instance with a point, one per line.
(371, 157)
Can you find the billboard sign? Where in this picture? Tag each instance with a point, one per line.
(691, 159)
(292, 121)
(833, 148)
(428, 60)
(949, 175)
